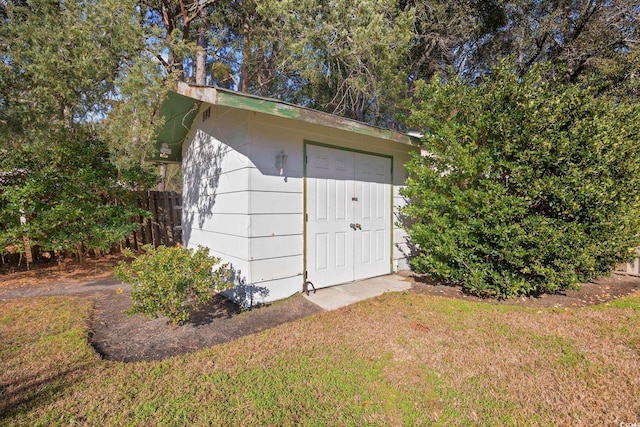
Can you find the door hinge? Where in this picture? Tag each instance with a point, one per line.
(306, 217)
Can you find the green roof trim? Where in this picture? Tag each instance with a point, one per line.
(259, 105)
(180, 107)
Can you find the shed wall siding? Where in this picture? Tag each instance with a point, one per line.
(236, 202)
(215, 172)
(277, 202)
(277, 209)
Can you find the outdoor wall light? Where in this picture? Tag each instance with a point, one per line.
(281, 160)
(165, 151)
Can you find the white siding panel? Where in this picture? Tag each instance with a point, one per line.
(272, 269)
(276, 207)
(227, 182)
(214, 160)
(208, 142)
(228, 124)
(264, 225)
(399, 202)
(277, 289)
(207, 161)
(225, 203)
(285, 183)
(263, 202)
(220, 136)
(400, 246)
(401, 251)
(239, 267)
(204, 204)
(275, 247)
(264, 157)
(233, 181)
(251, 294)
(401, 264)
(240, 270)
(233, 246)
(268, 139)
(235, 160)
(332, 136)
(234, 224)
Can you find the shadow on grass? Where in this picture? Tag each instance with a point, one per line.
(25, 394)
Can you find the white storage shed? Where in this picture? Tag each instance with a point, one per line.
(285, 194)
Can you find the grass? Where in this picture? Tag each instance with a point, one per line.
(400, 359)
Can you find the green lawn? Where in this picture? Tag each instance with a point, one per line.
(401, 359)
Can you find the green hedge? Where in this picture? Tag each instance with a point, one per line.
(531, 186)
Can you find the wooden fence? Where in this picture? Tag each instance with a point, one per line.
(165, 225)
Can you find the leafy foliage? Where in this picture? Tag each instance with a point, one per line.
(62, 64)
(585, 37)
(166, 280)
(530, 186)
(360, 59)
(69, 194)
(347, 58)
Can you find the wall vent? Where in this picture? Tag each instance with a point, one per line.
(206, 114)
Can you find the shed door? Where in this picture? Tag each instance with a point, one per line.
(348, 215)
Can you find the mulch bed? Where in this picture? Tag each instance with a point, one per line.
(117, 336)
(597, 292)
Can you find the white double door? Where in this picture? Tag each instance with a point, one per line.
(348, 214)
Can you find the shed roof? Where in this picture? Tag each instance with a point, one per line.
(181, 105)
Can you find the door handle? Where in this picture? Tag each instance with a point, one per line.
(358, 226)
(353, 226)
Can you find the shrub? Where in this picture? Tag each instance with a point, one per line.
(67, 196)
(530, 187)
(167, 280)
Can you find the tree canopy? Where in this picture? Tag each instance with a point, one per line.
(58, 78)
(358, 60)
(89, 75)
(362, 60)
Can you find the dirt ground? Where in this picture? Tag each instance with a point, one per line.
(597, 292)
(120, 337)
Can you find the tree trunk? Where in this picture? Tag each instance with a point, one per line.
(163, 177)
(26, 243)
(201, 55)
(244, 68)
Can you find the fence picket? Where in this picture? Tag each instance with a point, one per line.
(160, 229)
